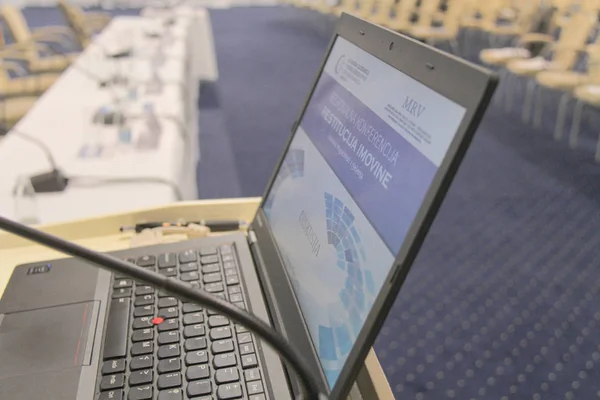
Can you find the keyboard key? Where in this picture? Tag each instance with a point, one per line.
(210, 268)
(193, 318)
(162, 294)
(170, 271)
(168, 325)
(214, 287)
(142, 322)
(113, 367)
(252, 374)
(167, 302)
(167, 260)
(119, 293)
(111, 395)
(224, 360)
(194, 284)
(194, 331)
(199, 388)
(168, 337)
(142, 377)
(234, 289)
(230, 272)
(143, 311)
(227, 375)
(171, 394)
(114, 381)
(189, 267)
(190, 276)
(171, 312)
(232, 280)
(141, 335)
(229, 391)
(239, 304)
(144, 300)
(209, 259)
(210, 278)
(222, 346)
(226, 249)
(228, 264)
(196, 357)
(220, 333)
(169, 365)
(217, 320)
(197, 343)
(123, 283)
(143, 290)
(249, 361)
(191, 307)
(246, 348)
(141, 348)
(115, 343)
(187, 256)
(141, 362)
(228, 257)
(140, 393)
(146, 261)
(254, 387)
(167, 381)
(244, 338)
(169, 350)
(260, 396)
(196, 372)
(236, 297)
(208, 251)
(240, 329)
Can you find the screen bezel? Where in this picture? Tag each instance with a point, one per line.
(461, 82)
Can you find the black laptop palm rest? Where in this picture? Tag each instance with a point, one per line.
(157, 347)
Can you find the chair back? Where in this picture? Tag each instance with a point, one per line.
(454, 13)
(427, 11)
(76, 21)
(573, 36)
(403, 11)
(382, 9)
(593, 65)
(17, 25)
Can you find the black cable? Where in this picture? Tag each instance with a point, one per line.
(43, 146)
(179, 289)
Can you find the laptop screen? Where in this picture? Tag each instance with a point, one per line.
(352, 181)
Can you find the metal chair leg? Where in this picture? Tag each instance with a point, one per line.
(597, 156)
(560, 118)
(539, 107)
(528, 100)
(574, 135)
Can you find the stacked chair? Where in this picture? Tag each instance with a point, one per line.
(549, 44)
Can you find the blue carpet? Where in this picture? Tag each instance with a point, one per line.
(268, 58)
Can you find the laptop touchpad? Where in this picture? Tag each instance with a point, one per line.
(48, 339)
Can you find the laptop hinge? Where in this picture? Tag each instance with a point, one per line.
(251, 237)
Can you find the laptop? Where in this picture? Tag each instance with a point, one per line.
(363, 174)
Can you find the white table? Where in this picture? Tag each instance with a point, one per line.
(62, 119)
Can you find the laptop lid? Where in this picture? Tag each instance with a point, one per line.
(369, 161)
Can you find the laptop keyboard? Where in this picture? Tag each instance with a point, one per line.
(157, 347)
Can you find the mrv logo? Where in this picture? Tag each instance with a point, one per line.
(415, 109)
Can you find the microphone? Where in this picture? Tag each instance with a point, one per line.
(309, 383)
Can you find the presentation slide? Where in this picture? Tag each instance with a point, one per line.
(359, 166)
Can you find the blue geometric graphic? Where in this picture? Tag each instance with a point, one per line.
(292, 167)
(357, 295)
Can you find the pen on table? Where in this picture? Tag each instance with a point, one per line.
(216, 225)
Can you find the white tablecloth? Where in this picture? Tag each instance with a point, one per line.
(164, 148)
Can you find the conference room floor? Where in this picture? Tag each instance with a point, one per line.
(501, 301)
